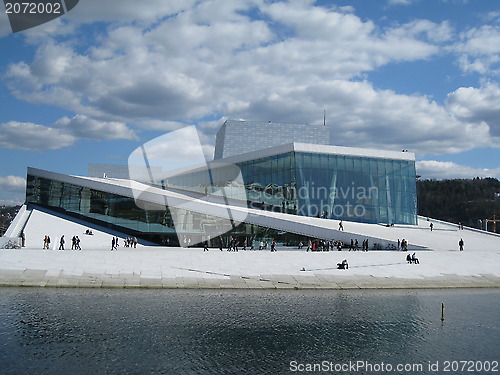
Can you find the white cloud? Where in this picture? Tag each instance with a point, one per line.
(479, 50)
(13, 190)
(362, 116)
(33, 137)
(171, 151)
(431, 31)
(160, 125)
(493, 16)
(447, 170)
(12, 183)
(185, 61)
(63, 133)
(207, 57)
(479, 106)
(84, 127)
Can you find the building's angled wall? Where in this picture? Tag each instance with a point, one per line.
(126, 215)
(219, 142)
(111, 210)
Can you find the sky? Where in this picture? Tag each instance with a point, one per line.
(109, 76)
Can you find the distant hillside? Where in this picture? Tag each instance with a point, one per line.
(465, 201)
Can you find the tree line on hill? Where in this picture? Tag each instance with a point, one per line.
(7, 214)
(465, 201)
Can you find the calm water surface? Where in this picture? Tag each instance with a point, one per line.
(111, 331)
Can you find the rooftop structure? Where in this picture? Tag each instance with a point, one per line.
(239, 137)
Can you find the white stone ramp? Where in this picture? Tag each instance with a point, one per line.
(194, 268)
(43, 223)
(443, 237)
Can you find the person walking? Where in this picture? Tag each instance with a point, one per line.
(341, 226)
(273, 246)
(61, 243)
(113, 244)
(461, 244)
(431, 226)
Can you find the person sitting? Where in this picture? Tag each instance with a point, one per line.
(415, 259)
(343, 266)
(408, 259)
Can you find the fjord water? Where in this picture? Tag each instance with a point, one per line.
(122, 331)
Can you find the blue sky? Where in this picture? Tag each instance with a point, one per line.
(95, 84)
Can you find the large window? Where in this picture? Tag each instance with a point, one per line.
(364, 189)
(353, 188)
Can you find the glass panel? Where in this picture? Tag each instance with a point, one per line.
(356, 165)
(341, 163)
(349, 163)
(332, 162)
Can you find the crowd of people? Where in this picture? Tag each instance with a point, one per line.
(327, 245)
(127, 242)
(75, 242)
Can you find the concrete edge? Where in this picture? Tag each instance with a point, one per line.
(253, 283)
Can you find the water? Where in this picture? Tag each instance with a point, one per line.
(111, 331)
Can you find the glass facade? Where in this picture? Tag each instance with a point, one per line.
(106, 209)
(353, 188)
(334, 186)
(143, 220)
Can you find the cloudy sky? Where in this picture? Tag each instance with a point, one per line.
(95, 84)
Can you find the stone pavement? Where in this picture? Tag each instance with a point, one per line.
(157, 267)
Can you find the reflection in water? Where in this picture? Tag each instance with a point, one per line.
(229, 332)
